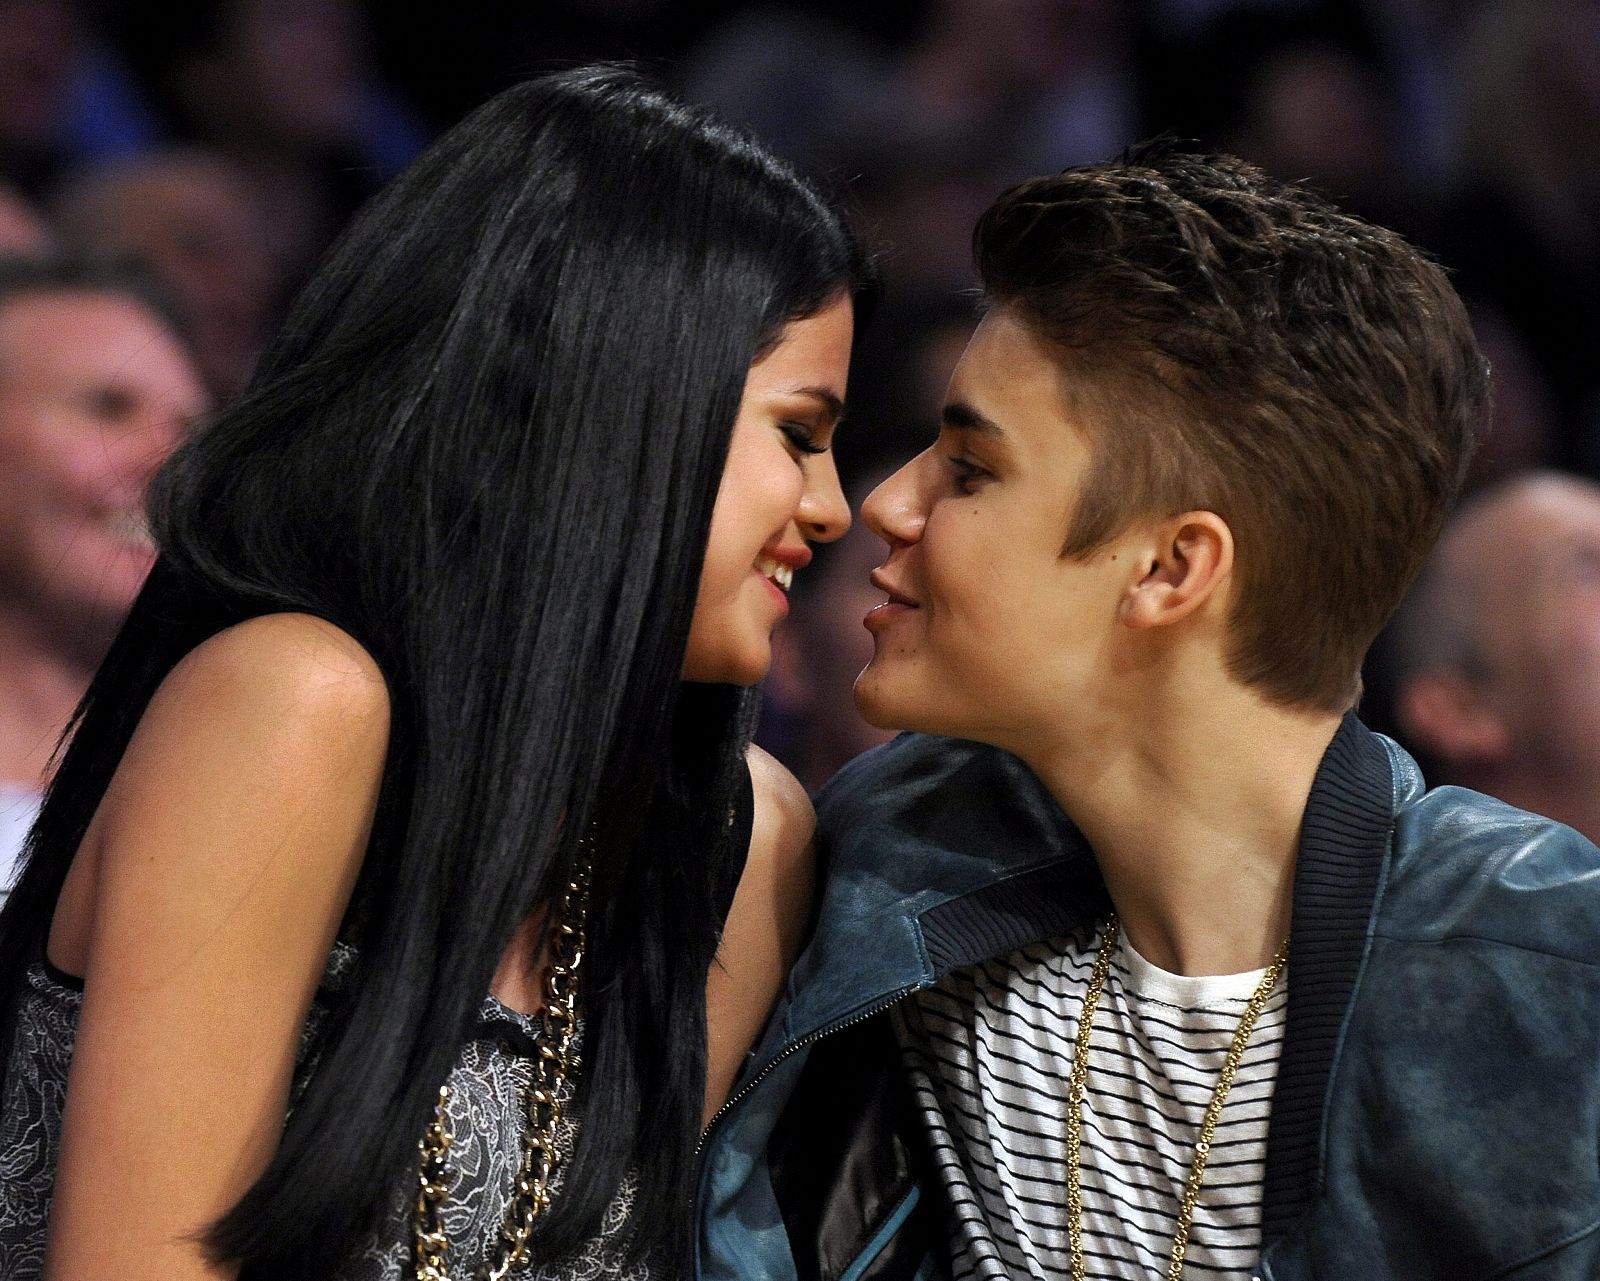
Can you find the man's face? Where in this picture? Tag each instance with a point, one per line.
(1540, 629)
(94, 394)
(989, 632)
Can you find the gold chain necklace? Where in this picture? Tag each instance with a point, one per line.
(1208, 1127)
(539, 1158)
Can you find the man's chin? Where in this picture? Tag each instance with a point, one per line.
(886, 708)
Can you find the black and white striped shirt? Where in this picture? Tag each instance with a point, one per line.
(989, 1053)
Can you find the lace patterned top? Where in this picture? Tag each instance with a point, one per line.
(487, 1085)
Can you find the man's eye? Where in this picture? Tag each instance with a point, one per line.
(800, 438)
(109, 403)
(966, 475)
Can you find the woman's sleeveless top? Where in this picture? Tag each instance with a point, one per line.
(488, 1086)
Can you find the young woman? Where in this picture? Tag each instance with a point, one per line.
(429, 720)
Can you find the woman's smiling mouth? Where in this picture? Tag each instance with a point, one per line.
(776, 571)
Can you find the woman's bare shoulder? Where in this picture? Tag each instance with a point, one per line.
(262, 739)
(273, 723)
(228, 845)
(296, 663)
(264, 742)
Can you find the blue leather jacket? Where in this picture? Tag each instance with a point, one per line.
(1437, 1111)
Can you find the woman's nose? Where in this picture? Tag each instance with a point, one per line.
(824, 515)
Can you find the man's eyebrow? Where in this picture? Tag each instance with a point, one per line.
(830, 400)
(963, 417)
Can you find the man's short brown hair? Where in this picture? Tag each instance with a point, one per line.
(1237, 344)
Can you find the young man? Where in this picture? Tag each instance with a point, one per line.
(1200, 443)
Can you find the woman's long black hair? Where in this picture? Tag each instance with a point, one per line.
(486, 444)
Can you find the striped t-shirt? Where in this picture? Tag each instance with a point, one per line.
(989, 1054)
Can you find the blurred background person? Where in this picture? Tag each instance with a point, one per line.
(286, 91)
(65, 95)
(1523, 231)
(22, 231)
(970, 96)
(191, 217)
(39, 43)
(1497, 649)
(96, 388)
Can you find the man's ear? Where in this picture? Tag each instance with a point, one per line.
(1448, 716)
(1185, 560)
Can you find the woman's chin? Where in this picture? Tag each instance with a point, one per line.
(745, 669)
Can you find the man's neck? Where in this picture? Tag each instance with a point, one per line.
(40, 686)
(1193, 808)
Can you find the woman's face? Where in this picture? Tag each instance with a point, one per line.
(779, 491)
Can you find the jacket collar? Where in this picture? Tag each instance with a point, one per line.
(942, 853)
(1338, 880)
(904, 831)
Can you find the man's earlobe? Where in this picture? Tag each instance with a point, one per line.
(1446, 714)
(1190, 557)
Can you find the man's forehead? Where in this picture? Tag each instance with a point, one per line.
(1518, 544)
(1012, 388)
(39, 327)
(1005, 363)
(42, 306)
(1552, 511)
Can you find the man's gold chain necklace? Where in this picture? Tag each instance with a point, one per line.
(531, 1194)
(1208, 1127)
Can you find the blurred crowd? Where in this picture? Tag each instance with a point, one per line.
(173, 167)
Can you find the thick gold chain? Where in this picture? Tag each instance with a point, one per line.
(532, 1189)
(1208, 1127)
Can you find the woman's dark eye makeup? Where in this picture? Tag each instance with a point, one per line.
(800, 437)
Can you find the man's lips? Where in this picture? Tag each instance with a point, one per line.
(896, 597)
(897, 605)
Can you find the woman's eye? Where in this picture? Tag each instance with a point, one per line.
(800, 437)
(964, 474)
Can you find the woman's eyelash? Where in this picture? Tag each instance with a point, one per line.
(800, 438)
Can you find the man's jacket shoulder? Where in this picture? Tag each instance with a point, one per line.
(930, 811)
(1467, 865)
(922, 795)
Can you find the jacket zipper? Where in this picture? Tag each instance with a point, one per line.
(792, 1049)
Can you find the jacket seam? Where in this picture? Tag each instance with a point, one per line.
(923, 959)
(880, 1239)
(1445, 940)
(1544, 1252)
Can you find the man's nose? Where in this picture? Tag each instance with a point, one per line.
(895, 510)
